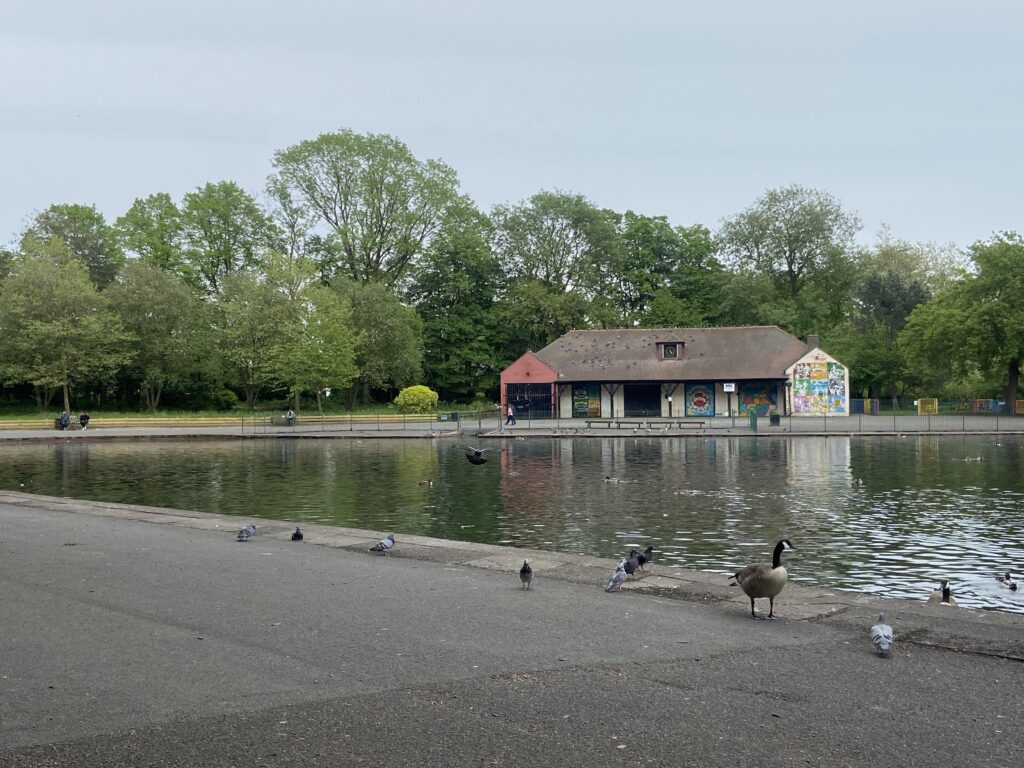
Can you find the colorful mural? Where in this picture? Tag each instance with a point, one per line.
(700, 400)
(586, 401)
(760, 396)
(819, 387)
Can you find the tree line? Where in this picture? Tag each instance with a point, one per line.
(362, 270)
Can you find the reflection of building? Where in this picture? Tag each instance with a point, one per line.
(676, 372)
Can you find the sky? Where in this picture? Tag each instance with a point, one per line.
(910, 113)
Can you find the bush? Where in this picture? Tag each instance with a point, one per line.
(224, 400)
(418, 399)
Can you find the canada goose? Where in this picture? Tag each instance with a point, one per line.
(763, 580)
(943, 595)
(428, 483)
(476, 455)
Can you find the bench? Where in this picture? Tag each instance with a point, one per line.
(283, 421)
(72, 423)
(616, 423)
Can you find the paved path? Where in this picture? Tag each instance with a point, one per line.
(135, 636)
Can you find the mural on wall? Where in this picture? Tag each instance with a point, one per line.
(760, 396)
(700, 400)
(586, 401)
(819, 387)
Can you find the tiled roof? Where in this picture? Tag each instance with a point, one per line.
(708, 354)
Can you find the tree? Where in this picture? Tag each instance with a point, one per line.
(57, 327)
(87, 236)
(378, 204)
(223, 231)
(315, 348)
(171, 326)
(797, 237)
(252, 316)
(454, 293)
(978, 323)
(389, 352)
(152, 231)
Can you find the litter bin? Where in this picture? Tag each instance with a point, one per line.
(774, 419)
(752, 415)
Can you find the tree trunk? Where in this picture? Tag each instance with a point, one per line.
(319, 407)
(67, 397)
(298, 399)
(1013, 379)
(366, 393)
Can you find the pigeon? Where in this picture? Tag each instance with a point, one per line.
(1007, 581)
(615, 582)
(645, 557)
(297, 536)
(247, 533)
(882, 636)
(632, 563)
(526, 574)
(476, 455)
(385, 545)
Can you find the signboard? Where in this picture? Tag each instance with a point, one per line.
(729, 387)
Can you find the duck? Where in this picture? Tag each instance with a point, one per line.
(1007, 581)
(428, 483)
(763, 580)
(942, 596)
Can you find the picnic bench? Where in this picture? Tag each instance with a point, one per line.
(73, 423)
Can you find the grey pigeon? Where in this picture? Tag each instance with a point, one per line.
(385, 545)
(645, 557)
(247, 533)
(526, 574)
(882, 636)
(297, 536)
(632, 562)
(617, 579)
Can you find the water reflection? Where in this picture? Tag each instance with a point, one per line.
(887, 515)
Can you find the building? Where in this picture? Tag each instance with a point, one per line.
(676, 372)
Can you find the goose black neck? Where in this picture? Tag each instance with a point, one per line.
(945, 593)
(777, 555)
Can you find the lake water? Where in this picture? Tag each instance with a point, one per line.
(887, 515)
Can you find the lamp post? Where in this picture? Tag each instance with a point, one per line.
(670, 406)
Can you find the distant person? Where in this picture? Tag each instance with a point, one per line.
(83, 419)
(64, 421)
(510, 417)
(289, 418)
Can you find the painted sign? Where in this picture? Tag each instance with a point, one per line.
(700, 400)
(819, 387)
(760, 396)
(586, 401)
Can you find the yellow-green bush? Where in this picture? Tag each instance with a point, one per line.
(418, 399)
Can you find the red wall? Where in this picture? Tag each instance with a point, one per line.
(528, 369)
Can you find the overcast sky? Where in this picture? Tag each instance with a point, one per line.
(910, 113)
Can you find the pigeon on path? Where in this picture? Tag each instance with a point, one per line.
(385, 545)
(882, 636)
(632, 563)
(526, 574)
(617, 579)
(247, 533)
(645, 557)
(297, 536)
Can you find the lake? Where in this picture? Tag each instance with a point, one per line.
(888, 515)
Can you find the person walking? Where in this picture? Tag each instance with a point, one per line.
(510, 417)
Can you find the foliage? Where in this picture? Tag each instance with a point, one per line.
(151, 230)
(57, 328)
(379, 205)
(417, 399)
(87, 236)
(223, 230)
(169, 323)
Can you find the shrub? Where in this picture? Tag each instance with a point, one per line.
(225, 400)
(418, 399)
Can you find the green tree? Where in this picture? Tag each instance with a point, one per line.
(57, 327)
(978, 323)
(170, 325)
(151, 230)
(223, 231)
(315, 348)
(379, 205)
(253, 314)
(87, 236)
(389, 352)
(454, 294)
